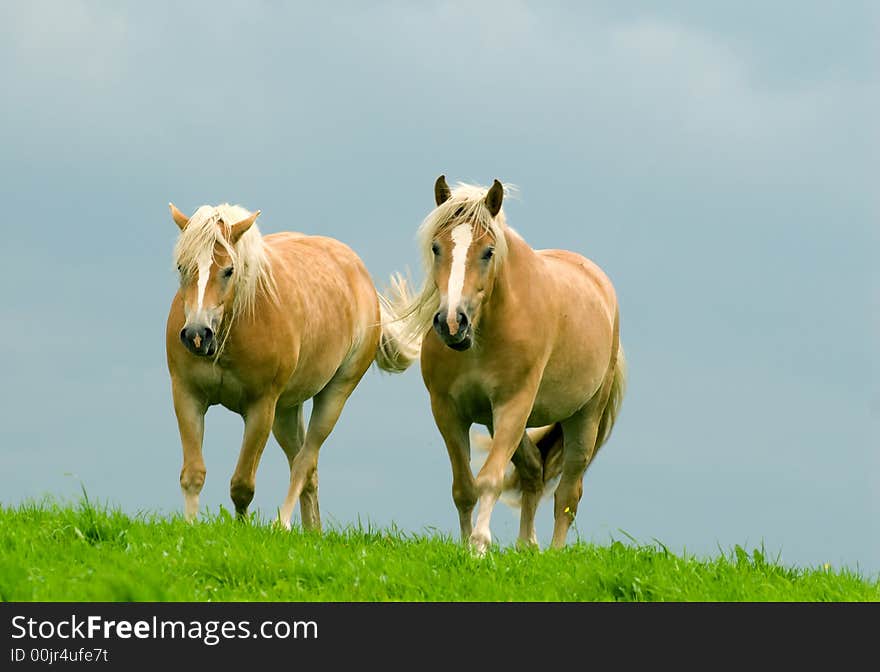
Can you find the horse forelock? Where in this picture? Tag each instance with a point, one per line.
(208, 227)
(466, 204)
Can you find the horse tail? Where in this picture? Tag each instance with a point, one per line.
(395, 351)
(615, 398)
(548, 440)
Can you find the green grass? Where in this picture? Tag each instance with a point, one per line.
(60, 553)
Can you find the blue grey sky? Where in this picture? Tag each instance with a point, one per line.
(718, 160)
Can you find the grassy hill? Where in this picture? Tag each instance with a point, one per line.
(53, 552)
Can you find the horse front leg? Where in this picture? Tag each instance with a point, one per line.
(454, 431)
(190, 412)
(258, 419)
(509, 420)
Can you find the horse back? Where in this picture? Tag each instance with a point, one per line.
(323, 286)
(579, 276)
(321, 268)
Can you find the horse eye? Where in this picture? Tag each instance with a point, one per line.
(227, 272)
(488, 253)
(435, 248)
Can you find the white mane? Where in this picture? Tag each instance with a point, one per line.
(209, 226)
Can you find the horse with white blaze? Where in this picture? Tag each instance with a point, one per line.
(261, 324)
(512, 338)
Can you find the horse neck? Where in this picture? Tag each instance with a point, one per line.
(511, 280)
(262, 302)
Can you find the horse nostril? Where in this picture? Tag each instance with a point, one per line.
(183, 336)
(462, 320)
(436, 319)
(208, 334)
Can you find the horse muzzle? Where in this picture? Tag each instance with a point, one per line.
(462, 339)
(199, 340)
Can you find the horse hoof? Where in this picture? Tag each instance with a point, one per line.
(527, 545)
(479, 544)
(283, 525)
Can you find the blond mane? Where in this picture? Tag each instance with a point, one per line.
(466, 204)
(253, 270)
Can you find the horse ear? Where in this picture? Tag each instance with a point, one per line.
(442, 193)
(494, 198)
(237, 230)
(179, 218)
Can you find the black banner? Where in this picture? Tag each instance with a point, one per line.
(132, 635)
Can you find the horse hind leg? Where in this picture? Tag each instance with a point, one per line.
(529, 467)
(326, 408)
(579, 447)
(583, 435)
(290, 430)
